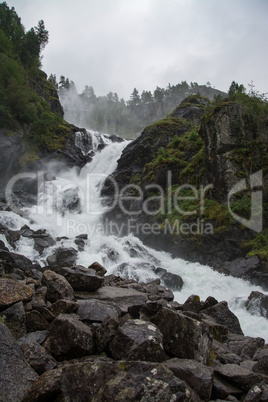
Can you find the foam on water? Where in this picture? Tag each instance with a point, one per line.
(127, 255)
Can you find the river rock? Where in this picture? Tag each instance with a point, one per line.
(70, 338)
(45, 388)
(14, 260)
(222, 390)
(122, 381)
(258, 392)
(16, 376)
(100, 270)
(104, 333)
(43, 241)
(184, 337)
(238, 376)
(121, 297)
(170, 280)
(37, 336)
(224, 354)
(63, 257)
(138, 340)
(96, 310)
(240, 267)
(12, 292)
(81, 278)
(64, 307)
(192, 304)
(222, 315)
(35, 321)
(257, 303)
(261, 367)
(197, 375)
(37, 357)
(57, 287)
(15, 319)
(244, 346)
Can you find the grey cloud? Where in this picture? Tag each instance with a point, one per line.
(120, 44)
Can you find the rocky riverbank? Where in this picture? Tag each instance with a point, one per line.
(74, 333)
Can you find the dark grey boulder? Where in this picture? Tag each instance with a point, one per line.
(239, 267)
(224, 354)
(100, 270)
(16, 376)
(222, 315)
(96, 310)
(184, 337)
(81, 278)
(46, 388)
(35, 321)
(15, 319)
(257, 304)
(223, 389)
(238, 376)
(57, 287)
(63, 257)
(197, 375)
(192, 304)
(104, 333)
(37, 336)
(261, 367)
(170, 280)
(70, 338)
(42, 242)
(122, 381)
(37, 357)
(138, 340)
(121, 297)
(244, 346)
(12, 291)
(63, 306)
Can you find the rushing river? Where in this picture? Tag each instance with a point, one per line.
(127, 255)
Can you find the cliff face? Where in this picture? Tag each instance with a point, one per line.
(198, 146)
(233, 148)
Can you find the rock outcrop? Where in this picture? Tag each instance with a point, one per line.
(197, 146)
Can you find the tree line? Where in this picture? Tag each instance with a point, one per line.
(115, 115)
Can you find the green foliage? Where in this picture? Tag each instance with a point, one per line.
(258, 245)
(20, 104)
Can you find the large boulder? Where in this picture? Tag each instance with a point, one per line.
(197, 375)
(57, 287)
(37, 357)
(70, 338)
(222, 315)
(238, 376)
(96, 310)
(81, 278)
(257, 303)
(244, 346)
(184, 337)
(12, 260)
(45, 388)
(121, 297)
(63, 257)
(122, 381)
(15, 319)
(12, 291)
(138, 340)
(16, 376)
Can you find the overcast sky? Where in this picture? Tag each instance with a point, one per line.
(116, 45)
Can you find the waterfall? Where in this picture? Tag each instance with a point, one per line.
(70, 205)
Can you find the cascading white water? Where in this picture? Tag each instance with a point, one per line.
(71, 205)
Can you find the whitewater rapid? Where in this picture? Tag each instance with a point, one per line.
(125, 256)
